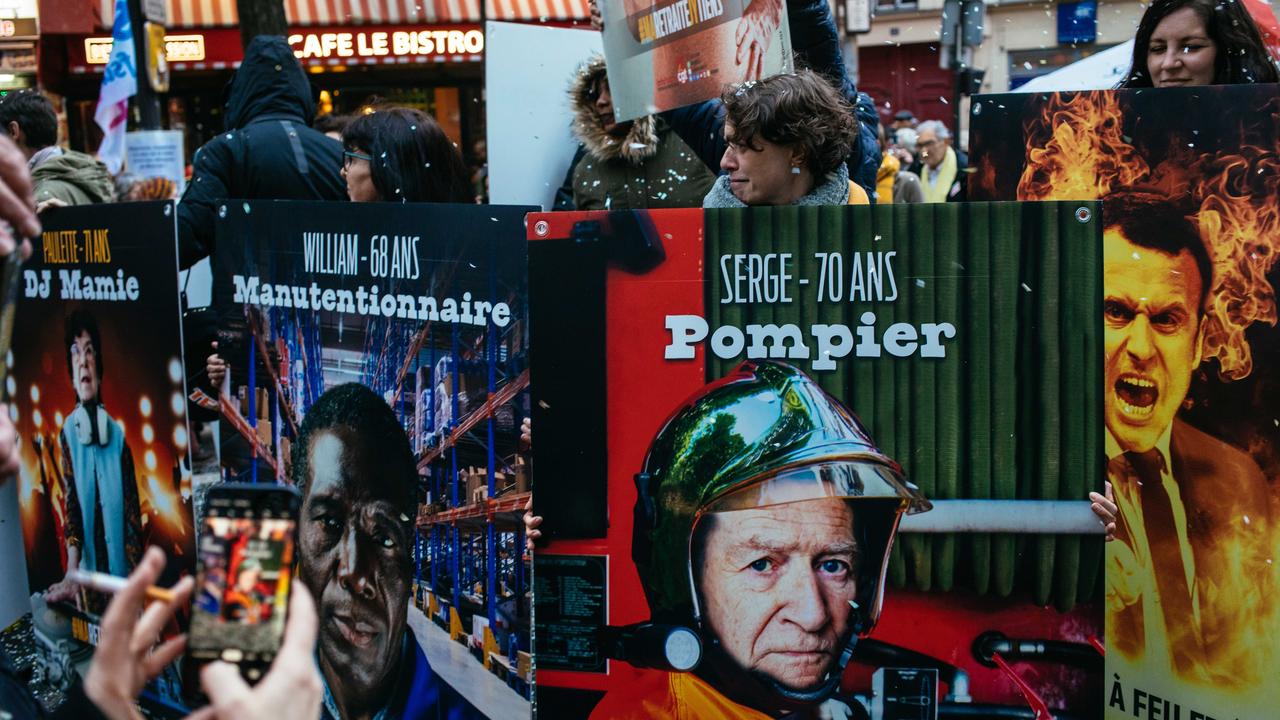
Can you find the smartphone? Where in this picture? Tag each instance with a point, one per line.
(244, 571)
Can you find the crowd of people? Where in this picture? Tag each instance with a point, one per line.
(807, 138)
(276, 148)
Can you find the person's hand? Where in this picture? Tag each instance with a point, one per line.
(127, 655)
(754, 35)
(49, 204)
(1104, 506)
(17, 199)
(597, 21)
(833, 709)
(62, 591)
(531, 523)
(526, 435)
(8, 445)
(216, 368)
(290, 689)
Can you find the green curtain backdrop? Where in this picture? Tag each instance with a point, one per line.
(1014, 411)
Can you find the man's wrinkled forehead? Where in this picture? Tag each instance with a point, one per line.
(807, 526)
(1156, 274)
(344, 466)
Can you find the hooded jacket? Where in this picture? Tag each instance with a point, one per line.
(650, 167)
(74, 178)
(268, 152)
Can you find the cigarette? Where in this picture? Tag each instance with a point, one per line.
(102, 582)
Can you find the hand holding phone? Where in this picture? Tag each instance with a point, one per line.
(245, 563)
(290, 690)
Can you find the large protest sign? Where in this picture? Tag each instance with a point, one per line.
(735, 406)
(97, 394)
(1192, 447)
(665, 54)
(390, 341)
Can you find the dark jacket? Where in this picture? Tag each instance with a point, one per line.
(649, 167)
(268, 152)
(817, 46)
(74, 178)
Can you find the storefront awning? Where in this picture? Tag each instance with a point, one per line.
(222, 13)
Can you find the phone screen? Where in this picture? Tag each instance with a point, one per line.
(242, 589)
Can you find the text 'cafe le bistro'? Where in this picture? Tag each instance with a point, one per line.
(210, 49)
(433, 68)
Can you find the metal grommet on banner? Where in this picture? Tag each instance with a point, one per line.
(1083, 215)
(168, 209)
(541, 228)
(222, 211)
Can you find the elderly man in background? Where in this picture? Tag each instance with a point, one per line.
(943, 166)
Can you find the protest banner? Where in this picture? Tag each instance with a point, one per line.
(735, 409)
(1191, 228)
(378, 363)
(97, 393)
(666, 54)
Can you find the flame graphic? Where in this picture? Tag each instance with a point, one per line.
(1077, 151)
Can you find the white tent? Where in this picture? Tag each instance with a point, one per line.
(1100, 71)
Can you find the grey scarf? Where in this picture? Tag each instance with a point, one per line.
(832, 191)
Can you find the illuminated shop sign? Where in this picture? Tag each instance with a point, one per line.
(379, 43)
(177, 48)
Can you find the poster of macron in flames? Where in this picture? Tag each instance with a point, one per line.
(1191, 232)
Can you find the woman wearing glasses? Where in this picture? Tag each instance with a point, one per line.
(402, 155)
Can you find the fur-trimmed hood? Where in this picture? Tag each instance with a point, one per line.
(639, 144)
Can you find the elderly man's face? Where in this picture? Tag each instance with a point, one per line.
(776, 585)
(248, 579)
(84, 368)
(1152, 338)
(932, 150)
(354, 558)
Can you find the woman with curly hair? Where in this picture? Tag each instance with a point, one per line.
(401, 155)
(787, 139)
(1198, 42)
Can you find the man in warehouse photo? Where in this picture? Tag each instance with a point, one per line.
(358, 480)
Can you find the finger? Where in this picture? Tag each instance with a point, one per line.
(168, 651)
(535, 521)
(738, 35)
(205, 713)
(227, 691)
(300, 631)
(760, 65)
(17, 199)
(1107, 490)
(13, 206)
(124, 607)
(157, 616)
(534, 534)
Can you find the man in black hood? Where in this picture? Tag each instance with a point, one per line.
(269, 150)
